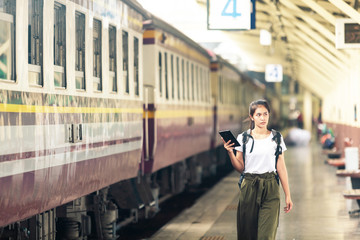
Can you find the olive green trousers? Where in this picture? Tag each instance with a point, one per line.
(259, 207)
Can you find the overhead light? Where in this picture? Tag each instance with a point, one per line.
(265, 37)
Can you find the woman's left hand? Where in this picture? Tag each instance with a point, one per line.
(289, 204)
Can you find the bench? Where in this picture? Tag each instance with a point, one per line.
(348, 173)
(334, 155)
(352, 194)
(355, 182)
(339, 163)
(334, 159)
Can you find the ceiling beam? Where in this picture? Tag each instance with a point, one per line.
(317, 63)
(315, 58)
(321, 11)
(305, 16)
(347, 9)
(320, 49)
(317, 37)
(309, 78)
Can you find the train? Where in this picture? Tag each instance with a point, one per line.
(105, 112)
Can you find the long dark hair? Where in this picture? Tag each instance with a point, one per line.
(252, 108)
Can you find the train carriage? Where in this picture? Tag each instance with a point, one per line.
(177, 100)
(232, 91)
(70, 104)
(104, 109)
(227, 84)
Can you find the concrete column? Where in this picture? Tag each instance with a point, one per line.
(307, 110)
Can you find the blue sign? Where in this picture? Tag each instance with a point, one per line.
(273, 73)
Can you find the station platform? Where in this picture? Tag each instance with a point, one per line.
(320, 211)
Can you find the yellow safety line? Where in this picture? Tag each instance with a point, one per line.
(56, 109)
(177, 113)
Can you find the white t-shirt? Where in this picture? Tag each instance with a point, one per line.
(262, 158)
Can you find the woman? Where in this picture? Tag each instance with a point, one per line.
(259, 201)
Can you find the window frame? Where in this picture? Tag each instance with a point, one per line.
(113, 73)
(35, 48)
(178, 77)
(9, 16)
(97, 55)
(183, 78)
(160, 73)
(136, 66)
(80, 69)
(60, 68)
(166, 76)
(125, 61)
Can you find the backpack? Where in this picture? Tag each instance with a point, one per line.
(245, 140)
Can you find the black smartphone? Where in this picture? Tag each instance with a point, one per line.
(227, 135)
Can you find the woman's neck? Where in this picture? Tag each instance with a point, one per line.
(260, 131)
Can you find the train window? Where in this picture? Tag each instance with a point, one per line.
(183, 77)
(178, 77)
(97, 55)
(172, 76)
(59, 45)
(136, 66)
(202, 89)
(233, 93)
(205, 83)
(7, 39)
(226, 93)
(80, 50)
(220, 90)
(209, 86)
(160, 74)
(166, 77)
(188, 80)
(230, 91)
(296, 87)
(125, 52)
(206, 86)
(208, 83)
(35, 37)
(201, 85)
(207, 92)
(197, 83)
(192, 83)
(112, 59)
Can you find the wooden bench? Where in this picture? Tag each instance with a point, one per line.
(332, 153)
(355, 182)
(339, 163)
(348, 173)
(353, 174)
(352, 194)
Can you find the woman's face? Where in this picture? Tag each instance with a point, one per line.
(261, 117)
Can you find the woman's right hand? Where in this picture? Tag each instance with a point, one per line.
(228, 145)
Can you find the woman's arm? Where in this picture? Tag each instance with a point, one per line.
(282, 172)
(236, 161)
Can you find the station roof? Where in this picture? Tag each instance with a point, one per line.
(303, 37)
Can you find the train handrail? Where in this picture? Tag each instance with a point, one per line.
(147, 124)
(155, 129)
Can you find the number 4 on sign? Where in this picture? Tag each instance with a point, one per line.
(225, 11)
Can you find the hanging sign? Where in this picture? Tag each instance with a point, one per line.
(273, 73)
(230, 14)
